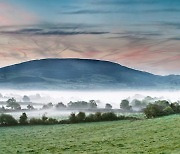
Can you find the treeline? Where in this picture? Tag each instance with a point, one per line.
(161, 108)
(81, 117)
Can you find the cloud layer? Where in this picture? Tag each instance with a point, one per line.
(137, 33)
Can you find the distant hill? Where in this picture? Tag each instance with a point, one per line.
(86, 74)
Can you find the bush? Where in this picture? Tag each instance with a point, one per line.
(81, 116)
(51, 121)
(175, 107)
(23, 119)
(90, 118)
(6, 119)
(162, 103)
(97, 116)
(72, 118)
(153, 110)
(109, 116)
(168, 110)
(161, 108)
(35, 121)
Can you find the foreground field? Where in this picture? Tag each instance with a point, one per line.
(160, 135)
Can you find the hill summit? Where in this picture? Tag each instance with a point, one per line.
(86, 74)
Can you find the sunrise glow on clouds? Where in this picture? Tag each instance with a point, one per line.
(142, 34)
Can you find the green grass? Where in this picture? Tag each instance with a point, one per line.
(161, 135)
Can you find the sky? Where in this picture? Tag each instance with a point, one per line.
(140, 34)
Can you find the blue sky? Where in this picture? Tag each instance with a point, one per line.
(142, 34)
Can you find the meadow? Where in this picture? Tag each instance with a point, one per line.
(160, 135)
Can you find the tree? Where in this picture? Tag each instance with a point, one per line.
(60, 105)
(78, 105)
(26, 98)
(92, 104)
(153, 110)
(48, 106)
(2, 109)
(175, 107)
(109, 116)
(44, 119)
(6, 119)
(125, 105)
(30, 107)
(23, 119)
(168, 110)
(162, 103)
(98, 116)
(81, 116)
(13, 104)
(108, 106)
(72, 118)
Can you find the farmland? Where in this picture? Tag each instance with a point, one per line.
(159, 135)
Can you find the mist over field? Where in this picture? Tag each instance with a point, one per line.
(39, 98)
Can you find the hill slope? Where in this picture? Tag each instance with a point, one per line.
(154, 136)
(80, 74)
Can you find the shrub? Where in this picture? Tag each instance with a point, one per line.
(51, 121)
(23, 119)
(153, 110)
(6, 119)
(168, 110)
(80, 116)
(97, 116)
(44, 118)
(109, 116)
(175, 107)
(72, 118)
(35, 121)
(90, 118)
(162, 103)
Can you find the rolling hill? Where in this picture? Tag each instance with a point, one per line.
(86, 74)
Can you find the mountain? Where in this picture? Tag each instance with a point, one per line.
(85, 74)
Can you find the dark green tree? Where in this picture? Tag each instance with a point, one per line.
(23, 119)
(81, 116)
(72, 118)
(6, 119)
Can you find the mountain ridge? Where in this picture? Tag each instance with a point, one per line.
(76, 73)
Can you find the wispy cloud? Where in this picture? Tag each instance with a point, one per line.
(51, 30)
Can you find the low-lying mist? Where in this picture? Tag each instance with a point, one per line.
(38, 98)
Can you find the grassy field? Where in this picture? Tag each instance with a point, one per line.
(161, 135)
